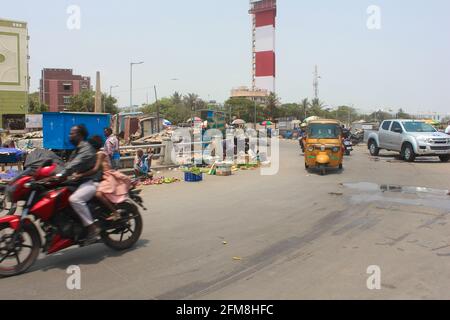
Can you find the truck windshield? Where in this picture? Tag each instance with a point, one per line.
(418, 127)
(324, 131)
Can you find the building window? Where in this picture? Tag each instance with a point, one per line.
(67, 86)
(66, 100)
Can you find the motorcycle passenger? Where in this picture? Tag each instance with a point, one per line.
(114, 187)
(82, 160)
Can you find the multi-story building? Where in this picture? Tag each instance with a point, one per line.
(257, 95)
(57, 86)
(14, 78)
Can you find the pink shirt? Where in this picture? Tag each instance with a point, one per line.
(111, 145)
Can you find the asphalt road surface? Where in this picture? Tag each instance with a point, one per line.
(296, 235)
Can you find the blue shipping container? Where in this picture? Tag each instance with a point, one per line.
(57, 125)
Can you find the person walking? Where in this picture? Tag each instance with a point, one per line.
(112, 148)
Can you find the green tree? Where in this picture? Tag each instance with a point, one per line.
(85, 102)
(243, 108)
(380, 116)
(288, 110)
(272, 104)
(403, 115)
(346, 114)
(34, 106)
(190, 101)
(316, 108)
(177, 98)
(304, 106)
(175, 113)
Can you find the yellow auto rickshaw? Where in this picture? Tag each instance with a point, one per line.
(323, 147)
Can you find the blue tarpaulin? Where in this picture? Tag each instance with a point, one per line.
(9, 155)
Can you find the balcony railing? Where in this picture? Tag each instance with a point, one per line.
(263, 5)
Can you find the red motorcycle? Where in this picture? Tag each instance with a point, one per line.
(46, 204)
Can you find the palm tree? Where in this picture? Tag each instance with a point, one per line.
(176, 98)
(304, 105)
(272, 104)
(317, 107)
(190, 100)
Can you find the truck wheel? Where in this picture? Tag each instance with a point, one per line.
(408, 153)
(445, 158)
(373, 148)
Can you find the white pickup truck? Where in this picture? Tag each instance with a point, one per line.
(411, 138)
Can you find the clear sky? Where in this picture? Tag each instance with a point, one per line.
(206, 44)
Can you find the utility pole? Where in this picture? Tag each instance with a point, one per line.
(316, 82)
(157, 110)
(255, 112)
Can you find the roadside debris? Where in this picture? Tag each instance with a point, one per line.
(160, 181)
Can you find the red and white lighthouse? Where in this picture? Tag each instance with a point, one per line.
(264, 16)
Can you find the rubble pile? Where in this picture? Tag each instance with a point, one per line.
(156, 138)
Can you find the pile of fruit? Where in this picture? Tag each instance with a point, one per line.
(248, 166)
(160, 181)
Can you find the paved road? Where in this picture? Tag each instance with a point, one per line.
(299, 236)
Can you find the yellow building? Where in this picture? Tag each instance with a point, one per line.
(14, 79)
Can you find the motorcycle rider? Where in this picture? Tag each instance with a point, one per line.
(303, 134)
(82, 160)
(345, 132)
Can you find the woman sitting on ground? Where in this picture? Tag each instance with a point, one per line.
(142, 164)
(114, 187)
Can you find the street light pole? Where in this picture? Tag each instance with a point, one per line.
(131, 82)
(157, 110)
(255, 112)
(110, 90)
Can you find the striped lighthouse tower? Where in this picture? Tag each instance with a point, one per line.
(264, 15)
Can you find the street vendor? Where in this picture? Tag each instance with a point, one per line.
(142, 163)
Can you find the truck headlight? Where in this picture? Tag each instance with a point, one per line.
(422, 140)
(335, 150)
(311, 149)
(322, 148)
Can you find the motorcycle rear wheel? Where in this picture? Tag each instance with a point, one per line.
(11, 252)
(131, 222)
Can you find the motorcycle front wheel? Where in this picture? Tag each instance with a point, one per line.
(18, 249)
(124, 234)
